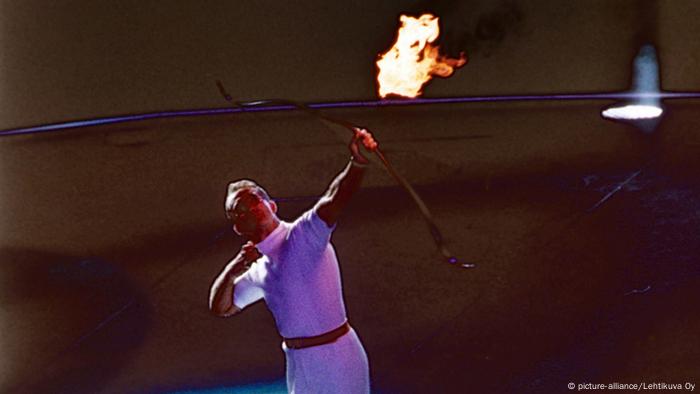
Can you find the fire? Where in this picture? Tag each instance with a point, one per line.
(412, 61)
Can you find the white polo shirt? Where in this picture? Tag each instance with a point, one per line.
(298, 277)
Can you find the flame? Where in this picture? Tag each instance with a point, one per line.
(412, 61)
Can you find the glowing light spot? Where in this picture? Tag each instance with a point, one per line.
(632, 112)
(643, 108)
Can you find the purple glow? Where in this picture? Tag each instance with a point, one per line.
(346, 104)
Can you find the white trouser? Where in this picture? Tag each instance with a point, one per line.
(340, 367)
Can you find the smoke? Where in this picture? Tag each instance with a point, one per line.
(476, 27)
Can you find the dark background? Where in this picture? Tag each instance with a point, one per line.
(111, 235)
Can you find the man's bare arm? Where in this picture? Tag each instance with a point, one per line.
(348, 181)
(221, 293)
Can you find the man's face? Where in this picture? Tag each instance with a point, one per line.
(251, 213)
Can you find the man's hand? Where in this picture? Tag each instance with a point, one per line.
(244, 259)
(362, 137)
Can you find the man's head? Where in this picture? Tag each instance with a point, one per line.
(250, 209)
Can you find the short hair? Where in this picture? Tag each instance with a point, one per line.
(242, 184)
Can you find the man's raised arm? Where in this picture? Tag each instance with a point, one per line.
(348, 181)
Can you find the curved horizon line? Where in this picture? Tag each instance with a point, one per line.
(51, 127)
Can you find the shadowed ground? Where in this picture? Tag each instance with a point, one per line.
(558, 295)
(113, 236)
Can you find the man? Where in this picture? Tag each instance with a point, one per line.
(293, 267)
